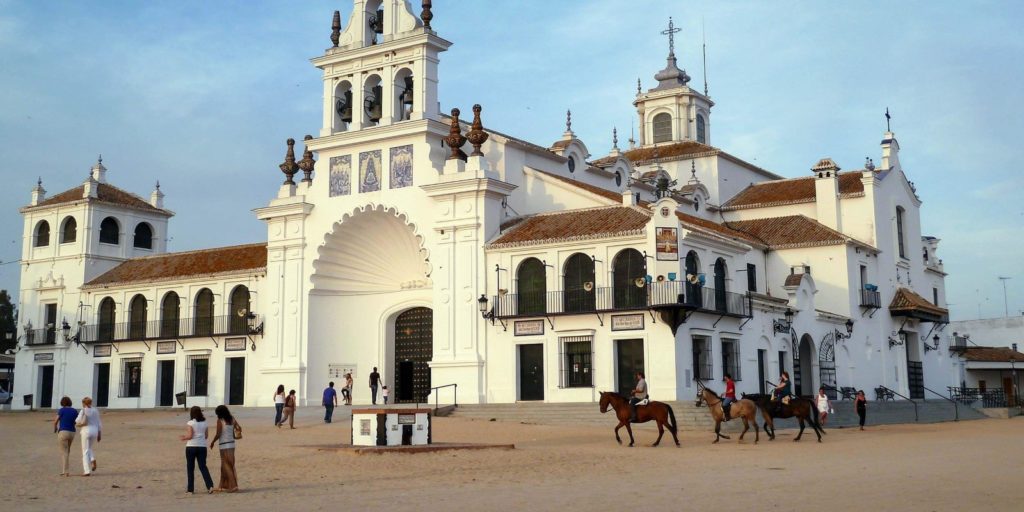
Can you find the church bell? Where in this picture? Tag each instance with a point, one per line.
(344, 107)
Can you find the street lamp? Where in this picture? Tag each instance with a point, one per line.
(849, 331)
(783, 326)
(482, 303)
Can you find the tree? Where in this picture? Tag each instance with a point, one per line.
(8, 322)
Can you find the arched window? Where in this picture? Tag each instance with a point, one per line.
(110, 232)
(203, 321)
(42, 235)
(531, 288)
(240, 310)
(628, 271)
(899, 231)
(69, 231)
(170, 315)
(373, 100)
(694, 293)
(618, 179)
(403, 95)
(720, 275)
(137, 312)
(108, 311)
(579, 288)
(342, 105)
(702, 136)
(143, 236)
(662, 127)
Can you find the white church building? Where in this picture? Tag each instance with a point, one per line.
(443, 252)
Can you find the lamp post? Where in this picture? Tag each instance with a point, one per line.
(849, 331)
(482, 303)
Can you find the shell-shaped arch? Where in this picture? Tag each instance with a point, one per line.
(372, 249)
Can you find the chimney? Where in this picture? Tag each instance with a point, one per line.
(890, 153)
(38, 192)
(98, 172)
(156, 199)
(826, 193)
(90, 189)
(628, 197)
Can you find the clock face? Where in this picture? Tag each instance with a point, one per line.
(572, 164)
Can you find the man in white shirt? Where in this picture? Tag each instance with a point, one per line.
(639, 394)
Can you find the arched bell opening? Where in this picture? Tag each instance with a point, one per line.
(403, 95)
(343, 106)
(373, 100)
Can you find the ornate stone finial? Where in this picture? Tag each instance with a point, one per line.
(336, 28)
(426, 15)
(158, 184)
(671, 76)
(568, 121)
(615, 138)
(307, 162)
(289, 167)
(693, 173)
(455, 140)
(99, 160)
(639, 90)
(39, 182)
(476, 134)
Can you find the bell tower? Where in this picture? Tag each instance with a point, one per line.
(381, 68)
(672, 111)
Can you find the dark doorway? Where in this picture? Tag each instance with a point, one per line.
(236, 381)
(630, 360)
(51, 324)
(762, 370)
(102, 384)
(827, 365)
(46, 387)
(414, 348)
(803, 370)
(531, 372)
(166, 392)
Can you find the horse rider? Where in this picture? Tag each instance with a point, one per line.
(729, 396)
(639, 394)
(783, 389)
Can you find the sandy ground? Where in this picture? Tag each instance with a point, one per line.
(975, 465)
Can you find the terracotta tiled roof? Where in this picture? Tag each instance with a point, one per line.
(206, 262)
(793, 279)
(791, 191)
(645, 154)
(561, 144)
(789, 232)
(575, 225)
(906, 301)
(105, 193)
(698, 224)
(594, 189)
(992, 354)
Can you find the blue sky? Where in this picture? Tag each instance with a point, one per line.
(202, 95)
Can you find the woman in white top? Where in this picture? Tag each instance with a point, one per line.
(824, 406)
(195, 449)
(91, 430)
(279, 398)
(226, 425)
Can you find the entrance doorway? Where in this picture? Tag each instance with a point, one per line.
(1009, 392)
(46, 386)
(165, 378)
(414, 348)
(629, 361)
(762, 370)
(803, 368)
(102, 384)
(236, 380)
(531, 372)
(827, 365)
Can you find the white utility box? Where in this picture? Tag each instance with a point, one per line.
(390, 427)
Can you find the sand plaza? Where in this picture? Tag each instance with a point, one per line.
(971, 465)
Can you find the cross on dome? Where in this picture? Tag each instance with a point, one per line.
(671, 32)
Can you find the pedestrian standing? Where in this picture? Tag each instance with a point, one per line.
(330, 402)
(824, 405)
(385, 392)
(228, 430)
(91, 429)
(195, 450)
(279, 399)
(64, 426)
(374, 384)
(347, 390)
(289, 410)
(862, 404)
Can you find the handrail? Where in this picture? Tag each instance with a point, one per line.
(433, 391)
(956, 410)
(903, 397)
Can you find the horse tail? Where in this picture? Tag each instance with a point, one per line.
(672, 415)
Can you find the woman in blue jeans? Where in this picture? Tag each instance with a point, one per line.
(195, 450)
(279, 399)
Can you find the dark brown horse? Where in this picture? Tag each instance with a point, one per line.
(657, 411)
(802, 409)
(744, 409)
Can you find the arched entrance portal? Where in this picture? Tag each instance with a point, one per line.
(414, 348)
(803, 367)
(827, 364)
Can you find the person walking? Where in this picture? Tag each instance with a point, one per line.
(824, 406)
(195, 450)
(228, 430)
(347, 390)
(862, 407)
(289, 410)
(91, 429)
(330, 401)
(64, 427)
(279, 399)
(374, 384)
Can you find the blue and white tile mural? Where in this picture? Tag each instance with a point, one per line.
(369, 171)
(341, 175)
(401, 166)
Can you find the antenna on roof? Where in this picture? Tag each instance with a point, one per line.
(704, 54)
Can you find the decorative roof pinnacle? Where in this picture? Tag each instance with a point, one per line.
(427, 15)
(455, 140)
(615, 138)
(476, 134)
(307, 163)
(568, 121)
(336, 28)
(289, 167)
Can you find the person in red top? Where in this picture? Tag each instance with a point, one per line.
(729, 396)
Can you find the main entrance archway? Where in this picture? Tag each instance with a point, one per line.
(803, 367)
(414, 348)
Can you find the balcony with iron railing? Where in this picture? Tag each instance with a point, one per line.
(198, 327)
(870, 299)
(44, 336)
(664, 295)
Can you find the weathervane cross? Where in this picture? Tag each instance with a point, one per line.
(671, 32)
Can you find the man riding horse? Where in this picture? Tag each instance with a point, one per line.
(639, 394)
(729, 396)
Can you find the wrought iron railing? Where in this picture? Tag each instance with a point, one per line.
(171, 329)
(870, 299)
(624, 298)
(988, 397)
(894, 392)
(44, 336)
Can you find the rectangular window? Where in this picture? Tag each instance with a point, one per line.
(751, 277)
(935, 296)
(51, 323)
(731, 359)
(702, 367)
(782, 361)
(863, 276)
(131, 378)
(899, 231)
(198, 372)
(577, 354)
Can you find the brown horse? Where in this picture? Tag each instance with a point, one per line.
(802, 409)
(744, 409)
(657, 411)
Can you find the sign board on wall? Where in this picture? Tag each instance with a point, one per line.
(45, 356)
(667, 242)
(628, 322)
(337, 371)
(101, 351)
(166, 347)
(528, 328)
(234, 344)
